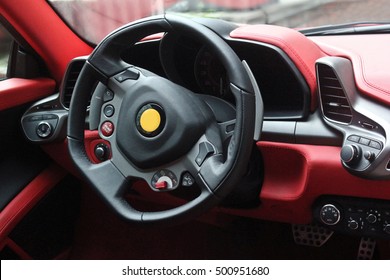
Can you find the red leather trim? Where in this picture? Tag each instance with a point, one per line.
(15, 91)
(92, 139)
(28, 198)
(59, 151)
(16, 248)
(301, 50)
(57, 46)
(296, 175)
(370, 58)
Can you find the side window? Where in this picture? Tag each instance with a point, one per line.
(5, 49)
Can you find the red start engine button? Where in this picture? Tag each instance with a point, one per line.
(107, 128)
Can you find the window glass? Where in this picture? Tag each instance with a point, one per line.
(94, 19)
(5, 48)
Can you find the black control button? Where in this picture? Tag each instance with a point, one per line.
(102, 152)
(369, 156)
(364, 141)
(128, 74)
(205, 150)
(108, 95)
(109, 111)
(43, 129)
(376, 145)
(34, 118)
(187, 180)
(371, 218)
(352, 224)
(354, 138)
(49, 117)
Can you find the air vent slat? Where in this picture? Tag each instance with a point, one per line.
(71, 76)
(335, 104)
(331, 82)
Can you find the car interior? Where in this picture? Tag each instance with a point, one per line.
(179, 137)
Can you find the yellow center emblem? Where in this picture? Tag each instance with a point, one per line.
(150, 120)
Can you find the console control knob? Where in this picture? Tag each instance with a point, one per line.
(44, 129)
(329, 214)
(350, 154)
(371, 218)
(352, 224)
(369, 156)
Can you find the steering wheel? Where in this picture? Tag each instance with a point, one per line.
(160, 131)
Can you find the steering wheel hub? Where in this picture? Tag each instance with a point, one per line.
(169, 120)
(150, 120)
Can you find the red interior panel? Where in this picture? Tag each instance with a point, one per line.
(59, 150)
(57, 46)
(28, 198)
(15, 91)
(370, 57)
(92, 139)
(296, 175)
(15, 248)
(301, 50)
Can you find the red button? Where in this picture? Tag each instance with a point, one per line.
(107, 128)
(161, 185)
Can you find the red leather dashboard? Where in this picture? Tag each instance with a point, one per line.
(370, 58)
(14, 92)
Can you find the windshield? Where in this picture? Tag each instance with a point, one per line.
(94, 19)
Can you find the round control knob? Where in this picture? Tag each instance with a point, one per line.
(350, 154)
(352, 224)
(386, 228)
(44, 129)
(102, 152)
(164, 180)
(369, 156)
(329, 214)
(371, 218)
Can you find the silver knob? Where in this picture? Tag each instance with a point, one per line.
(44, 129)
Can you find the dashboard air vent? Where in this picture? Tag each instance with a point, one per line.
(335, 105)
(72, 73)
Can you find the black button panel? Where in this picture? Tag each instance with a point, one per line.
(367, 152)
(39, 127)
(358, 216)
(365, 141)
(354, 138)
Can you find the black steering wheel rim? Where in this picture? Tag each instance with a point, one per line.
(219, 177)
